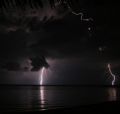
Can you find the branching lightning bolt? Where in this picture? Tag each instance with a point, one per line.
(113, 75)
(79, 13)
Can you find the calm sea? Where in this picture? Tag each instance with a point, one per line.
(36, 98)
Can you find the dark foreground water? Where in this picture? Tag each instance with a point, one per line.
(36, 98)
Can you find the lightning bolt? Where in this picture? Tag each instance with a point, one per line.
(79, 13)
(41, 76)
(42, 97)
(113, 75)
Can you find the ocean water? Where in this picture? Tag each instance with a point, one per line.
(38, 98)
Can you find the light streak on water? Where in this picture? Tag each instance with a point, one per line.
(112, 94)
(42, 98)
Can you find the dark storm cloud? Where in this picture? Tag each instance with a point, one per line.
(60, 38)
(54, 39)
(17, 28)
(26, 17)
(16, 53)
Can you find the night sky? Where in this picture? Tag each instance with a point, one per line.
(73, 51)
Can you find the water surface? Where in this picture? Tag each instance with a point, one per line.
(36, 98)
